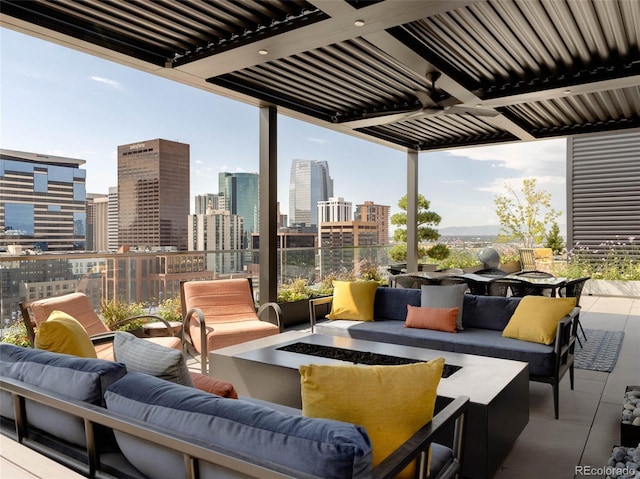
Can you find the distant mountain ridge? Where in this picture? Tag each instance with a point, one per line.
(483, 230)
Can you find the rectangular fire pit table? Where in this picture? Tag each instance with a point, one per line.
(498, 389)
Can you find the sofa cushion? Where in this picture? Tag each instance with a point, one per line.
(353, 300)
(391, 303)
(444, 296)
(536, 318)
(81, 379)
(488, 312)
(483, 342)
(147, 357)
(440, 319)
(61, 333)
(391, 402)
(256, 433)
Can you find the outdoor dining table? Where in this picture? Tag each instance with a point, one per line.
(552, 284)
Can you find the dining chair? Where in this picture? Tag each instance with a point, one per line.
(222, 312)
(573, 289)
(79, 307)
(527, 259)
(517, 288)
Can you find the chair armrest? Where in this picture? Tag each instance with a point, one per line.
(155, 317)
(418, 444)
(566, 337)
(276, 308)
(313, 303)
(203, 335)
(102, 338)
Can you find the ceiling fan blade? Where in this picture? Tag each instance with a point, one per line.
(462, 110)
(379, 119)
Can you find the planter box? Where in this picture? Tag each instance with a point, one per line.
(630, 434)
(297, 312)
(609, 287)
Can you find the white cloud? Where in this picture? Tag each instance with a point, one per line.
(533, 158)
(316, 140)
(106, 81)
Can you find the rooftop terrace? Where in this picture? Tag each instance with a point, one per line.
(588, 428)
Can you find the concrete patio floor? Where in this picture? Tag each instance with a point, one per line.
(589, 424)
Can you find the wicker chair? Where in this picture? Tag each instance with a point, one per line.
(517, 288)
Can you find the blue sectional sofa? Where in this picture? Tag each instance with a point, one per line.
(483, 319)
(95, 417)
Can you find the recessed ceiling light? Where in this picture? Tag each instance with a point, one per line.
(263, 52)
(359, 23)
(566, 92)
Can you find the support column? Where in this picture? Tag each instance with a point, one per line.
(412, 210)
(268, 201)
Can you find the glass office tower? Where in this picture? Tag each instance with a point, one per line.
(153, 194)
(239, 194)
(309, 183)
(42, 202)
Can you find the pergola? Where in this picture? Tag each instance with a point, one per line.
(415, 75)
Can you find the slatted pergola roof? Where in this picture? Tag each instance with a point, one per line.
(506, 70)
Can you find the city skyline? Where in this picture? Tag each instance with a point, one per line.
(61, 102)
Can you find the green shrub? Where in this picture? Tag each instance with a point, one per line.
(170, 309)
(17, 334)
(113, 311)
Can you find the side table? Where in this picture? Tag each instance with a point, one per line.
(158, 329)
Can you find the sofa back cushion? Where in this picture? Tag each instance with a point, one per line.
(391, 303)
(81, 379)
(488, 312)
(256, 433)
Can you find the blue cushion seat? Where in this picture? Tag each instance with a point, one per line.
(483, 342)
(326, 448)
(391, 303)
(81, 379)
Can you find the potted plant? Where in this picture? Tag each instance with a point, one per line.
(115, 313)
(293, 298)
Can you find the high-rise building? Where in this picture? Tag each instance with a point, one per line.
(217, 230)
(42, 202)
(334, 209)
(343, 244)
(378, 214)
(112, 221)
(203, 202)
(97, 221)
(153, 194)
(239, 195)
(309, 183)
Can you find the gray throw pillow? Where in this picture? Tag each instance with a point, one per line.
(151, 358)
(449, 296)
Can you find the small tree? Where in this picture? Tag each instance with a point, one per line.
(425, 219)
(554, 240)
(524, 219)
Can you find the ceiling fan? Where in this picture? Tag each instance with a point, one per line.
(432, 103)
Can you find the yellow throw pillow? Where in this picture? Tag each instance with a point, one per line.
(353, 300)
(391, 402)
(536, 318)
(61, 333)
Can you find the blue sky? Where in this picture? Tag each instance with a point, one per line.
(57, 101)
